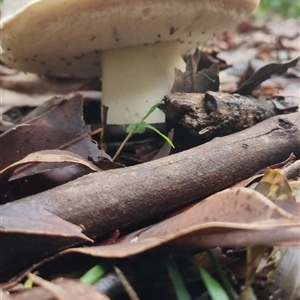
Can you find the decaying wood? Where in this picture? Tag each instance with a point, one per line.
(216, 114)
(116, 199)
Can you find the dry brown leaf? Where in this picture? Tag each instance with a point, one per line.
(162, 152)
(10, 99)
(263, 74)
(53, 158)
(61, 126)
(33, 84)
(35, 220)
(234, 217)
(295, 185)
(275, 186)
(284, 281)
(33, 229)
(289, 167)
(40, 171)
(201, 75)
(59, 289)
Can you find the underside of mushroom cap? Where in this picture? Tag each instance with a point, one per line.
(66, 37)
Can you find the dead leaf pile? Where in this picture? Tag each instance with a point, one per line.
(57, 125)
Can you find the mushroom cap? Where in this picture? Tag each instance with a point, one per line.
(66, 37)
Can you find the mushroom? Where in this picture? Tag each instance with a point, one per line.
(133, 44)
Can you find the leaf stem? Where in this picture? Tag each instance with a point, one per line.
(129, 135)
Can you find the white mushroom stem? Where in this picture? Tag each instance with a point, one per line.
(135, 78)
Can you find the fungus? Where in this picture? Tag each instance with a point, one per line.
(138, 42)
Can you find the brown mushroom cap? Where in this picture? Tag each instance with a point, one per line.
(65, 37)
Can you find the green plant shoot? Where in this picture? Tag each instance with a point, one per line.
(177, 281)
(94, 274)
(213, 287)
(140, 127)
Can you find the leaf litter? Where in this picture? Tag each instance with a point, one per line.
(48, 128)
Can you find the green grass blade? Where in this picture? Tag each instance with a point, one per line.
(151, 110)
(161, 134)
(94, 274)
(140, 127)
(136, 128)
(213, 287)
(226, 284)
(178, 284)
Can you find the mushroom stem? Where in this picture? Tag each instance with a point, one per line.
(136, 78)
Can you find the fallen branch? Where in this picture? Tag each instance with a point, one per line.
(120, 198)
(217, 114)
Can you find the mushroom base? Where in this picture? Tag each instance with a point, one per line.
(136, 78)
(117, 133)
